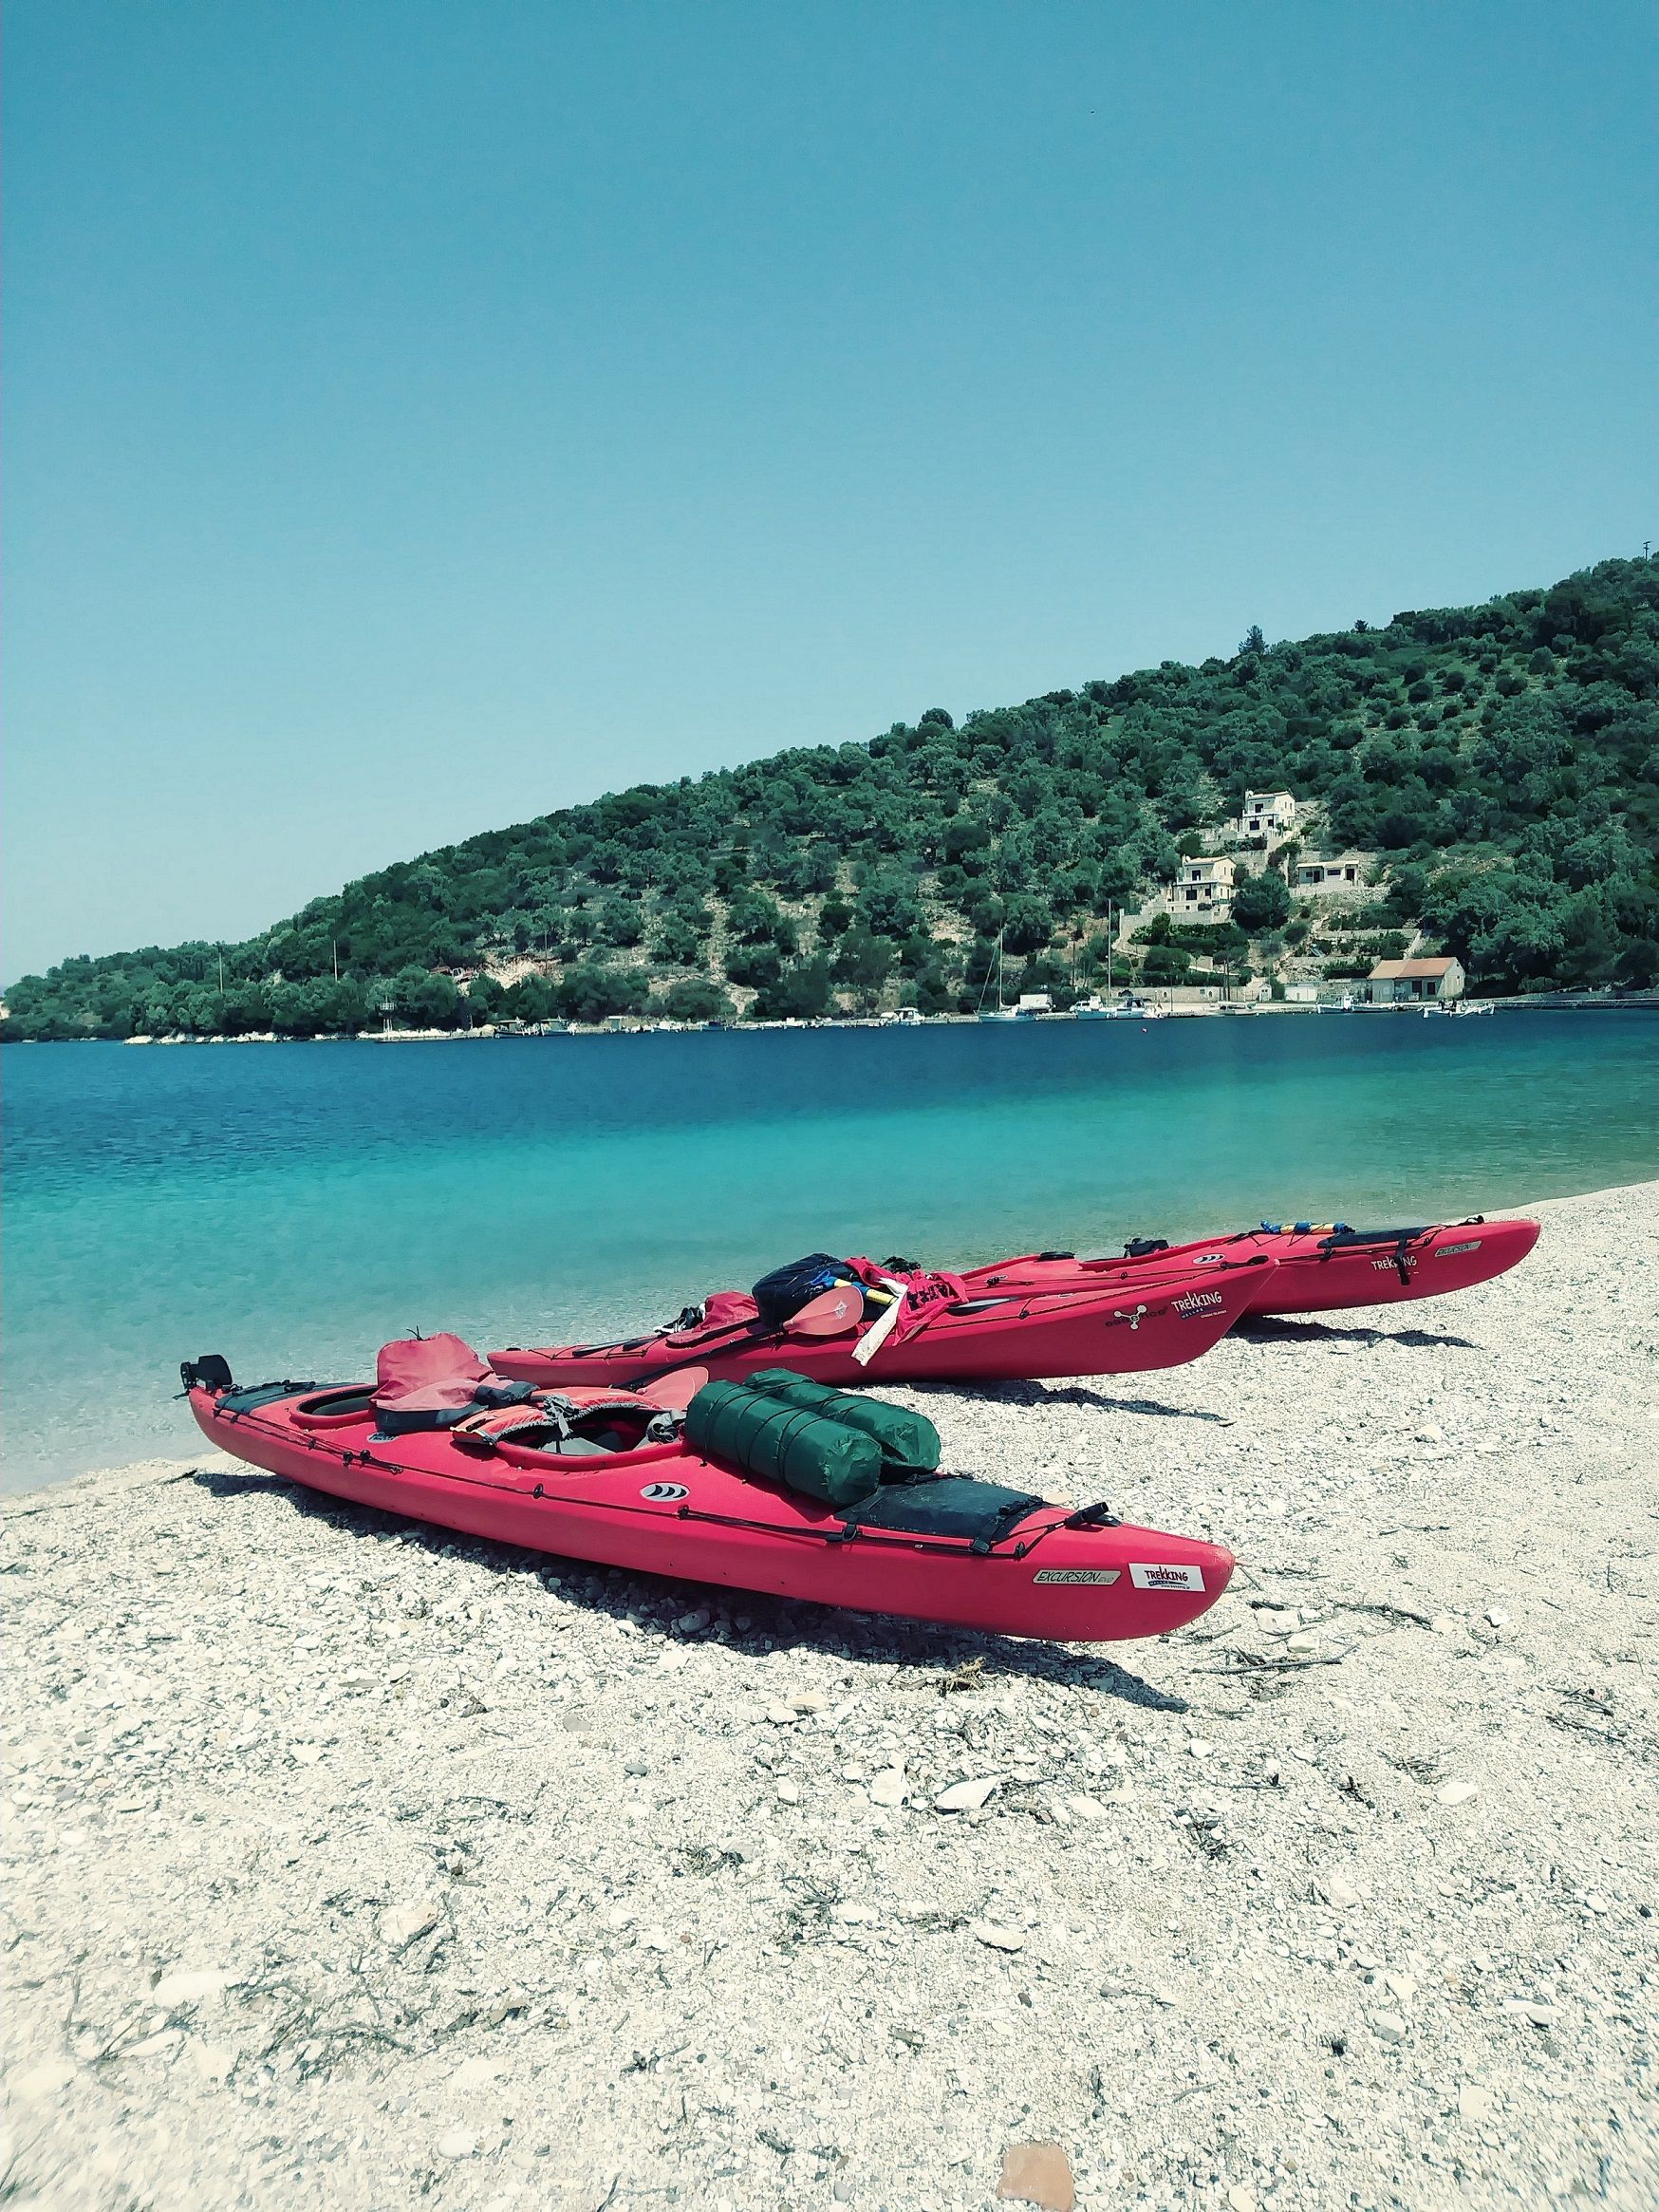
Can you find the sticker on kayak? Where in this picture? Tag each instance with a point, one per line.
(1147, 1577)
(1196, 1302)
(1078, 1574)
(1390, 1265)
(664, 1494)
(1445, 1252)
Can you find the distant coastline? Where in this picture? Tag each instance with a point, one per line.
(624, 1026)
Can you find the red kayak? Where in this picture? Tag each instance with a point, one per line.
(1104, 1317)
(582, 1477)
(1320, 1266)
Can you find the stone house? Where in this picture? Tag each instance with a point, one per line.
(1318, 877)
(1202, 890)
(1403, 982)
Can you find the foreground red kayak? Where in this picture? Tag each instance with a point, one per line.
(582, 1477)
(1108, 1317)
(1319, 1266)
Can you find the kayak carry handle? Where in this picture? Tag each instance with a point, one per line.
(1097, 1516)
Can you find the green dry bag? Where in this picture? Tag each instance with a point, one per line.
(763, 1435)
(908, 1442)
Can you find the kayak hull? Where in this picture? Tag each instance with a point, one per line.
(1314, 1274)
(1451, 1257)
(1122, 1320)
(664, 1509)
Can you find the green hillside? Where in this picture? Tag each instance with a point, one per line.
(1499, 761)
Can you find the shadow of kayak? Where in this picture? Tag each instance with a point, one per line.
(1273, 1328)
(774, 1623)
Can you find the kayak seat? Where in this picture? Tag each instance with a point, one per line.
(945, 1505)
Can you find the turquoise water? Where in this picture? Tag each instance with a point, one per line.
(294, 1205)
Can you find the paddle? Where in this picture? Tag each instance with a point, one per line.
(827, 1315)
(675, 1392)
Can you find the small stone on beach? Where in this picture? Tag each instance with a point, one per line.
(1037, 2173)
(996, 1937)
(965, 1796)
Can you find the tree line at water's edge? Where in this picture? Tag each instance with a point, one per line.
(1501, 762)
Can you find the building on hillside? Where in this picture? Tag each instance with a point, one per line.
(1202, 890)
(1267, 814)
(1395, 983)
(1344, 873)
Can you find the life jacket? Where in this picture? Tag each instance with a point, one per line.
(909, 1299)
(433, 1382)
(577, 1423)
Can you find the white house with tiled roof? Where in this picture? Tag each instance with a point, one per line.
(1397, 981)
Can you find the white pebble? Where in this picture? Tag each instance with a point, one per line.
(995, 1937)
(965, 1796)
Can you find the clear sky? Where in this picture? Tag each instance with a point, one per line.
(424, 413)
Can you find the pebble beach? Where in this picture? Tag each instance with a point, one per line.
(352, 1865)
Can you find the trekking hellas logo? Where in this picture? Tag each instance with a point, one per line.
(1148, 1576)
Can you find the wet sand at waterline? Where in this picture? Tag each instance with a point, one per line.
(351, 1864)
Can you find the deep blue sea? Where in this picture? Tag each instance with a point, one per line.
(294, 1205)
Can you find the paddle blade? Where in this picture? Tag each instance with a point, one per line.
(675, 1392)
(828, 1314)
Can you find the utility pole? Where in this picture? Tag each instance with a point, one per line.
(335, 941)
(221, 971)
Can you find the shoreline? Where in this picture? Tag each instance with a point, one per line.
(166, 1467)
(1158, 996)
(424, 1867)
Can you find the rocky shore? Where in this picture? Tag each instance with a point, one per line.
(351, 1865)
